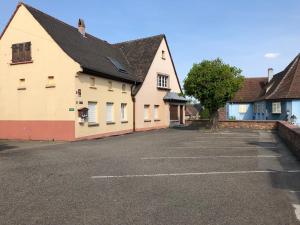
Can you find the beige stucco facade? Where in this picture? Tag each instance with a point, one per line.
(32, 109)
(150, 94)
(101, 94)
(41, 99)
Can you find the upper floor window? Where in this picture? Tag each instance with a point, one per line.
(92, 81)
(123, 88)
(162, 81)
(276, 107)
(21, 52)
(110, 86)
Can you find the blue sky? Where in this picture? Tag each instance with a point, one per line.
(241, 32)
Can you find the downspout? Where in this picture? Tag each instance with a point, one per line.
(133, 101)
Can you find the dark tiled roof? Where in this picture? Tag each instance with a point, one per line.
(174, 97)
(286, 84)
(91, 53)
(140, 53)
(252, 89)
(191, 110)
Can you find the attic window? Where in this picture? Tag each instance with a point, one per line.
(163, 54)
(117, 65)
(21, 53)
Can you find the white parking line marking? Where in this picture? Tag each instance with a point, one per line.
(212, 157)
(297, 211)
(225, 147)
(195, 174)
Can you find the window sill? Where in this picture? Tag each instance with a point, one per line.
(110, 90)
(276, 113)
(19, 63)
(124, 121)
(110, 123)
(92, 87)
(124, 92)
(164, 88)
(163, 58)
(50, 86)
(147, 121)
(93, 124)
(157, 120)
(21, 88)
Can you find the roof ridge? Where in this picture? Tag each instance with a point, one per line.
(288, 68)
(293, 76)
(60, 21)
(139, 39)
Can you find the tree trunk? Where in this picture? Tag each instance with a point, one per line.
(214, 121)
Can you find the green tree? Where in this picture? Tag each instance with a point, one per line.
(213, 83)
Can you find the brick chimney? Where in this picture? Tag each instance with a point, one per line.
(81, 27)
(270, 74)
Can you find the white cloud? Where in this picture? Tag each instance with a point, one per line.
(271, 55)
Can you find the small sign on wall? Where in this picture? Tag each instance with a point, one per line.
(71, 109)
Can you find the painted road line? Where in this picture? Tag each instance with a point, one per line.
(195, 174)
(297, 211)
(211, 157)
(225, 147)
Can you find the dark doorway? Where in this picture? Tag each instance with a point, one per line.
(181, 114)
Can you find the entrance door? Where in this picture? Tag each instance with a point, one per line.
(181, 114)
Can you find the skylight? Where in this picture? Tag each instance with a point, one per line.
(117, 65)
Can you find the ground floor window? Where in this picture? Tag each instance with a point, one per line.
(109, 112)
(243, 108)
(276, 107)
(92, 112)
(123, 111)
(156, 112)
(146, 112)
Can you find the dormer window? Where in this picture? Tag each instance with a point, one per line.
(162, 81)
(21, 53)
(163, 54)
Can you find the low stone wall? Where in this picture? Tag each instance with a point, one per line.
(290, 135)
(249, 124)
(197, 123)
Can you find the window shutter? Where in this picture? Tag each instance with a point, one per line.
(21, 52)
(14, 53)
(28, 51)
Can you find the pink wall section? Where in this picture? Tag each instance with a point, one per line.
(37, 130)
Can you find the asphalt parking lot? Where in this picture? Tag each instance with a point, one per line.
(166, 177)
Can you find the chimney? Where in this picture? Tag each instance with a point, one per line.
(270, 74)
(81, 27)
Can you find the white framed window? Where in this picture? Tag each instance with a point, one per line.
(123, 112)
(146, 112)
(243, 108)
(162, 81)
(276, 107)
(156, 112)
(109, 112)
(92, 112)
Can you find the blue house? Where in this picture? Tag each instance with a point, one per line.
(276, 97)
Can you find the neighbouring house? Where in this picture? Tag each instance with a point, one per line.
(276, 97)
(192, 111)
(58, 82)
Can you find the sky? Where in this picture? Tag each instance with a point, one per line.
(252, 35)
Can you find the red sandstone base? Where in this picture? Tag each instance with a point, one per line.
(37, 130)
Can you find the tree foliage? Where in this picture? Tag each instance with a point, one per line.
(213, 83)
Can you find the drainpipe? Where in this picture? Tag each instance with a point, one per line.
(133, 101)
